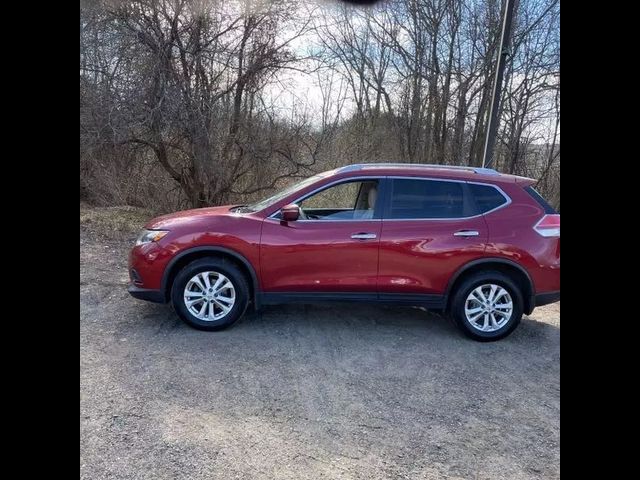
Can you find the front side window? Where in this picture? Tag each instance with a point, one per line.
(355, 200)
(424, 199)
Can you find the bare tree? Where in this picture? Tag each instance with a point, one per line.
(177, 105)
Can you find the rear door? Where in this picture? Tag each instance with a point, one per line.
(430, 229)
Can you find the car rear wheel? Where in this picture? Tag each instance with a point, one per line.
(210, 294)
(487, 306)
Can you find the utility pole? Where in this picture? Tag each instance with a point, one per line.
(494, 112)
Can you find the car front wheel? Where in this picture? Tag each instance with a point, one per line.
(210, 294)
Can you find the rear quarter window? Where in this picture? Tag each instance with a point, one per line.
(487, 198)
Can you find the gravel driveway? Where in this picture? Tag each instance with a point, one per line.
(307, 392)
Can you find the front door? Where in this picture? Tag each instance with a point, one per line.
(331, 248)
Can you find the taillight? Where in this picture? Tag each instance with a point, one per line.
(548, 226)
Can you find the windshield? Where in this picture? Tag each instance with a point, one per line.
(262, 204)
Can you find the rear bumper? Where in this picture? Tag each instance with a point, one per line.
(155, 296)
(546, 298)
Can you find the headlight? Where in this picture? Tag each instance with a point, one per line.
(148, 236)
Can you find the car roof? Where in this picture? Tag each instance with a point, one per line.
(468, 173)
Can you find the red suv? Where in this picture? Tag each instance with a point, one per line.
(479, 245)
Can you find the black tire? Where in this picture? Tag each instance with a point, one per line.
(211, 264)
(467, 286)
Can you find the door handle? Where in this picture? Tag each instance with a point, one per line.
(364, 236)
(466, 233)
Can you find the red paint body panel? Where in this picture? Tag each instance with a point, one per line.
(512, 237)
(419, 256)
(318, 256)
(195, 228)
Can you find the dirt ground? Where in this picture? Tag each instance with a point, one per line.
(305, 392)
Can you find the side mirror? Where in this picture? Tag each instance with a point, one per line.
(290, 213)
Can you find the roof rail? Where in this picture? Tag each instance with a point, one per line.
(360, 166)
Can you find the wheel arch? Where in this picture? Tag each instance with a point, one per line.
(516, 272)
(194, 253)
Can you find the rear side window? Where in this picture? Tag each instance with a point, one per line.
(548, 209)
(487, 198)
(426, 199)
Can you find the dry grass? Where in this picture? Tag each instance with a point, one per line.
(114, 222)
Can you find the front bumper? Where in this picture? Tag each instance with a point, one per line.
(547, 298)
(155, 296)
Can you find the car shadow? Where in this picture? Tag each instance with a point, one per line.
(411, 320)
(357, 319)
